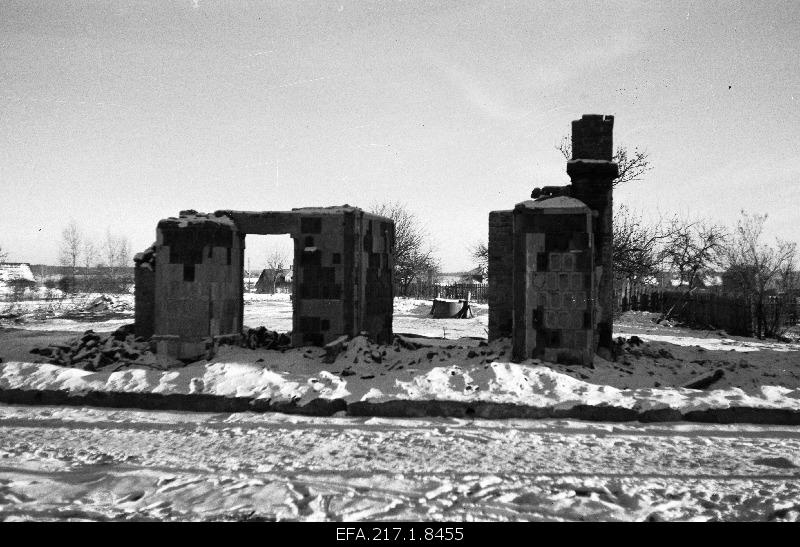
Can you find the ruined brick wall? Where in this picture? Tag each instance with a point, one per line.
(592, 137)
(377, 302)
(198, 283)
(343, 260)
(344, 277)
(318, 299)
(144, 301)
(592, 183)
(500, 274)
(553, 281)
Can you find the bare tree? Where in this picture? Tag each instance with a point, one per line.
(632, 164)
(116, 255)
(692, 250)
(3, 254)
(109, 250)
(756, 269)
(480, 254)
(89, 257)
(635, 245)
(276, 264)
(70, 251)
(413, 255)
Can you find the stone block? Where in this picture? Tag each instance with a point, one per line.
(567, 339)
(563, 281)
(555, 262)
(581, 338)
(577, 281)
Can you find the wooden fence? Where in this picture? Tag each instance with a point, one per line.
(736, 315)
(429, 291)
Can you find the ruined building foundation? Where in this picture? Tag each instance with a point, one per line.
(190, 283)
(550, 258)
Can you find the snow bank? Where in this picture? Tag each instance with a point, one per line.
(716, 343)
(221, 379)
(524, 384)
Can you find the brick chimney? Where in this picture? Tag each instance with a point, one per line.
(592, 172)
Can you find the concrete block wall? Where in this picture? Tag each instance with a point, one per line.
(500, 273)
(342, 284)
(144, 300)
(592, 183)
(375, 304)
(318, 299)
(553, 281)
(198, 283)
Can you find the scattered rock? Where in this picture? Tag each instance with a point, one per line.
(334, 348)
(605, 353)
(262, 337)
(705, 381)
(90, 351)
(662, 352)
(779, 462)
(635, 341)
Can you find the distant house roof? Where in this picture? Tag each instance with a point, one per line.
(16, 271)
(264, 282)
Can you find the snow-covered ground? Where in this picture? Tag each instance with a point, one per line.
(411, 317)
(68, 313)
(274, 311)
(62, 463)
(367, 372)
(454, 366)
(91, 464)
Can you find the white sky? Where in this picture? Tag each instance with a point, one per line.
(118, 114)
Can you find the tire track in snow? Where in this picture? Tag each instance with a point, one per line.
(404, 469)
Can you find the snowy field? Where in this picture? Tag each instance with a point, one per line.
(92, 464)
(64, 313)
(70, 463)
(274, 311)
(445, 360)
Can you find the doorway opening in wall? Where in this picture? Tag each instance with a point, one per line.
(268, 282)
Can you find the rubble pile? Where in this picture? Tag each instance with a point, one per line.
(262, 337)
(102, 307)
(92, 352)
(146, 259)
(360, 350)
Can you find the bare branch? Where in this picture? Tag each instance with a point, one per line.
(756, 269)
(632, 165)
(70, 251)
(692, 249)
(277, 264)
(413, 255)
(480, 254)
